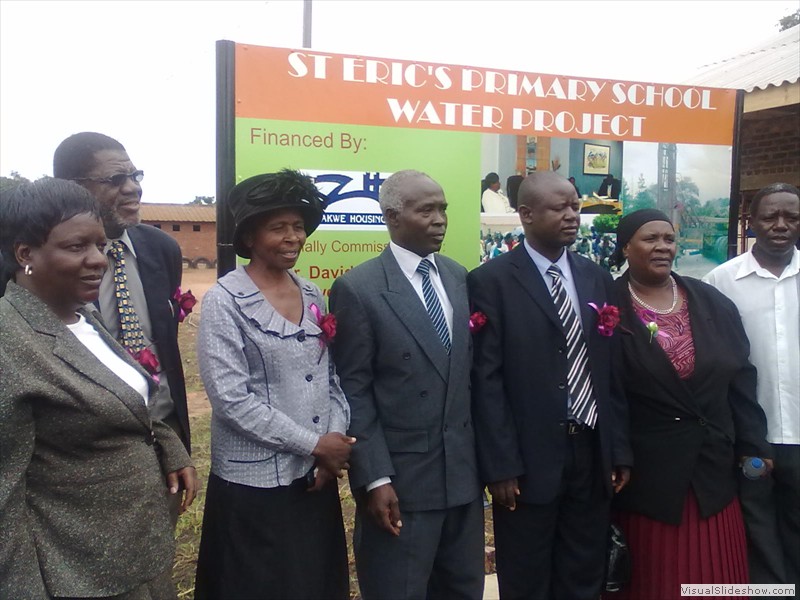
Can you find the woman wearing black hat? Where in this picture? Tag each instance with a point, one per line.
(273, 523)
(693, 418)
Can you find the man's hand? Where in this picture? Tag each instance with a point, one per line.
(384, 508)
(505, 493)
(620, 476)
(333, 451)
(184, 479)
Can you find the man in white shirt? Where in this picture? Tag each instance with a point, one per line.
(765, 285)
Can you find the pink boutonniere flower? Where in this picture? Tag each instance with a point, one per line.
(607, 317)
(147, 359)
(185, 302)
(327, 323)
(648, 318)
(476, 322)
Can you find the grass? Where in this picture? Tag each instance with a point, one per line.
(190, 524)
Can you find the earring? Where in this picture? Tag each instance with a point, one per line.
(27, 270)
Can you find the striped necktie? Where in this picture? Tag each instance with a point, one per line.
(579, 377)
(432, 303)
(130, 330)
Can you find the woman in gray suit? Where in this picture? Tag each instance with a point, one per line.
(83, 496)
(273, 523)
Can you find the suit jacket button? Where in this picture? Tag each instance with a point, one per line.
(561, 386)
(445, 427)
(316, 419)
(309, 377)
(423, 394)
(561, 351)
(702, 422)
(407, 356)
(301, 336)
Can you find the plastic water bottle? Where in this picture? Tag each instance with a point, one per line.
(754, 467)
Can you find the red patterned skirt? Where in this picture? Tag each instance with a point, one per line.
(698, 551)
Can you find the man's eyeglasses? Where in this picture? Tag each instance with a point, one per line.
(117, 180)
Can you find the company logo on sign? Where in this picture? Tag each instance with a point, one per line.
(352, 199)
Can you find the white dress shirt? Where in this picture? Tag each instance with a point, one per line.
(770, 311)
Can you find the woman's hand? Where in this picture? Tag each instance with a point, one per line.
(333, 451)
(770, 464)
(184, 479)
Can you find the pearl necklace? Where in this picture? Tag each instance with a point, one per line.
(658, 311)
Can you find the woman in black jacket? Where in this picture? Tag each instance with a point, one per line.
(694, 418)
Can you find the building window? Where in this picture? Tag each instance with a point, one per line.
(176, 227)
(195, 227)
(157, 225)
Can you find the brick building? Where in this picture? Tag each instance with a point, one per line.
(193, 226)
(770, 133)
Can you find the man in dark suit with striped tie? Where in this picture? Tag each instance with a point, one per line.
(551, 423)
(403, 352)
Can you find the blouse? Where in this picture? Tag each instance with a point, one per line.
(271, 382)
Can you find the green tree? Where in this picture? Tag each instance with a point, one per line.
(14, 179)
(789, 21)
(606, 223)
(203, 200)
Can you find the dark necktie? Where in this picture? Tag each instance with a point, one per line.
(130, 330)
(432, 303)
(579, 377)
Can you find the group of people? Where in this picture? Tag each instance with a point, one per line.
(597, 248)
(493, 245)
(572, 397)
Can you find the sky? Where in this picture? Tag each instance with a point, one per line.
(143, 72)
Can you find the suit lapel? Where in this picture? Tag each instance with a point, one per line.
(531, 281)
(457, 294)
(586, 284)
(153, 276)
(406, 304)
(69, 349)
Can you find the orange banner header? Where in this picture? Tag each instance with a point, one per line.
(308, 85)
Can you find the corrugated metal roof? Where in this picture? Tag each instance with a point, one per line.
(773, 62)
(178, 213)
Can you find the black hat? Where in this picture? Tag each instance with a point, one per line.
(272, 191)
(629, 225)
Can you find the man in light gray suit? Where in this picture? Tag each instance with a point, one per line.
(403, 353)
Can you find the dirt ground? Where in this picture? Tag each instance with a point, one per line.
(198, 281)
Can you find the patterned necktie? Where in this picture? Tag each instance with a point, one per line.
(579, 377)
(432, 304)
(130, 330)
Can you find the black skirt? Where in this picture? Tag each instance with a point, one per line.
(276, 543)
